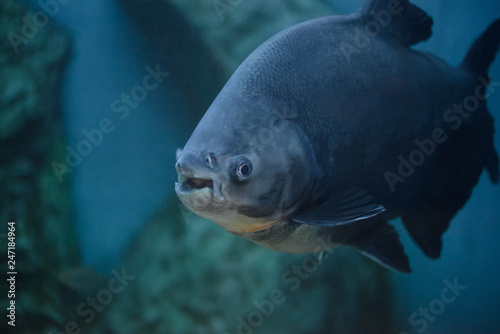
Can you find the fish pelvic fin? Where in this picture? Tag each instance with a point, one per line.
(355, 218)
(483, 51)
(381, 244)
(402, 19)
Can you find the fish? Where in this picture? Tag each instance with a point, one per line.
(335, 126)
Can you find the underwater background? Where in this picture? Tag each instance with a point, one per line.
(95, 98)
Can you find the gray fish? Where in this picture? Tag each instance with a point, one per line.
(334, 126)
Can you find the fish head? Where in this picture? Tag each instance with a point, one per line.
(245, 167)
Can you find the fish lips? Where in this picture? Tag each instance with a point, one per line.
(197, 190)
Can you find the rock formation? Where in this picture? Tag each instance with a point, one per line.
(33, 54)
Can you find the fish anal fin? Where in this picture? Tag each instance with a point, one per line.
(382, 244)
(407, 22)
(478, 60)
(455, 174)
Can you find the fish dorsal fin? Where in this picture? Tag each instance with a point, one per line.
(347, 207)
(401, 18)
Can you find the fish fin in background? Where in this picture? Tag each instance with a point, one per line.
(382, 244)
(410, 24)
(465, 154)
(348, 207)
(477, 61)
(456, 172)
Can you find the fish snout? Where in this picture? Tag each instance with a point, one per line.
(187, 163)
(192, 171)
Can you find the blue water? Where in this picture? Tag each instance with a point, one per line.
(130, 175)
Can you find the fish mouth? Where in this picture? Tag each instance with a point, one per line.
(196, 183)
(189, 184)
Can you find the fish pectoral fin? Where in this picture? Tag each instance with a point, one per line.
(376, 239)
(382, 244)
(349, 206)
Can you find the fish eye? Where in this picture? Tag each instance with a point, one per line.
(244, 170)
(241, 170)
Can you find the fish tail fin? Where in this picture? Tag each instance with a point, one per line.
(483, 51)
